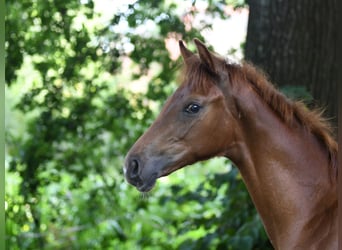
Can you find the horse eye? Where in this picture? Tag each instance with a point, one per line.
(192, 108)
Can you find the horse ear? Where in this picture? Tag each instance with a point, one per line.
(206, 56)
(184, 51)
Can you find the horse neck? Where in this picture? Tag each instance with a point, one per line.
(286, 171)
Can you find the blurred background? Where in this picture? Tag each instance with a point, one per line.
(84, 79)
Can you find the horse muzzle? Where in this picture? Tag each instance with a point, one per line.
(134, 174)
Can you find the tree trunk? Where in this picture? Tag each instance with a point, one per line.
(295, 43)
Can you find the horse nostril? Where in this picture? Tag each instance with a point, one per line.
(134, 169)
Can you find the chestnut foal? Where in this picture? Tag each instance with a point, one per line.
(285, 153)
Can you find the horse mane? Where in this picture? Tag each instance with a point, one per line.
(287, 110)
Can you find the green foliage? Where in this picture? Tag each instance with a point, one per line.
(230, 219)
(297, 93)
(70, 121)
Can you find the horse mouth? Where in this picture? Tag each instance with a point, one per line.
(146, 186)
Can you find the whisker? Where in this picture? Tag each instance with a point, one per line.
(145, 195)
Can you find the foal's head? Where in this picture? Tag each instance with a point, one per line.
(196, 123)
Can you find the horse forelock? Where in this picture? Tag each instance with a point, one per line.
(197, 76)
